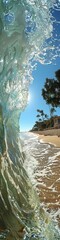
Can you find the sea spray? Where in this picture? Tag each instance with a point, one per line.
(26, 33)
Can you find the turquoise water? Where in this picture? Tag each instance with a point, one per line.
(26, 35)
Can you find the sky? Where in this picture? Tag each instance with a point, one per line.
(35, 99)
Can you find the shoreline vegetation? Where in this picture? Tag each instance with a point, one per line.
(49, 125)
(51, 136)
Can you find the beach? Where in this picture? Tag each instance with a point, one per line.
(43, 168)
(55, 140)
(50, 136)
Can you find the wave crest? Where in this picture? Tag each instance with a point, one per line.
(26, 36)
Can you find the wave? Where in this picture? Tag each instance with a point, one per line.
(26, 36)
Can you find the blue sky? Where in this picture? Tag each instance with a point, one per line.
(43, 71)
(28, 117)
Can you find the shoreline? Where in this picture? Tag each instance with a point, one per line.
(49, 138)
(55, 140)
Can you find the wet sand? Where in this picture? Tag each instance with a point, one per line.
(48, 185)
(49, 191)
(55, 140)
(50, 136)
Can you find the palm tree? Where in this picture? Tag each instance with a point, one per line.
(41, 114)
(38, 115)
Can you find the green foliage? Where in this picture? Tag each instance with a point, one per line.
(41, 115)
(52, 110)
(41, 123)
(51, 94)
(51, 90)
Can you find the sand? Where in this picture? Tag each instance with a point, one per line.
(50, 136)
(55, 140)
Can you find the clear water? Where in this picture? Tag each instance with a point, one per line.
(26, 35)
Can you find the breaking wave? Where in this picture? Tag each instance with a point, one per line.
(26, 35)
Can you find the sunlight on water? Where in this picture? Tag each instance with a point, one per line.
(27, 34)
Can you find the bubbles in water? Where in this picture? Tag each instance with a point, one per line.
(9, 18)
(7, 4)
(30, 25)
(27, 35)
(1, 65)
(10, 55)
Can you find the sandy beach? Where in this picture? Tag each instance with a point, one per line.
(55, 140)
(50, 136)
(43, 166)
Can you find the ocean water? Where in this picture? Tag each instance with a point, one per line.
(27, 34)
(44, 171)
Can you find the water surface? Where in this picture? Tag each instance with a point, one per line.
(43, 169)
(27, 34)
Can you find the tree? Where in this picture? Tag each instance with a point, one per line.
(51, 90)
(57, 74)
(41, 119)
(42, 114)
(52, 110)
(36, 126)
(46, 116)
(38, 115)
